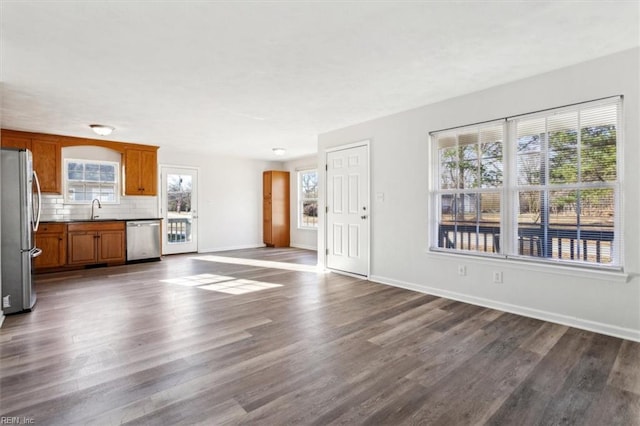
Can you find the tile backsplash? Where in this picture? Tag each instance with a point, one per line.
(130, 207)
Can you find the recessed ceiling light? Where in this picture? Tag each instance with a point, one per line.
(279, 151)
(101, 129)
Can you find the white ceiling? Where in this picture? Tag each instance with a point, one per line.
(239, 78)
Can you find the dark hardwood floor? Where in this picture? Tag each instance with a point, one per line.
(194, 340)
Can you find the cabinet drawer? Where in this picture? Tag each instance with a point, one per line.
(95, 226)
(52, 227)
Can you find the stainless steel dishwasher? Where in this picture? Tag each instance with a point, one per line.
(143, 240)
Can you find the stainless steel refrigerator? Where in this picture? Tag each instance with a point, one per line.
(20, 218)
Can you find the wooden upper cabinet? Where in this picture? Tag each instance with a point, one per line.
(47, 157)
(47, 163)
(140, 172)
(140, 162)
(9, 141)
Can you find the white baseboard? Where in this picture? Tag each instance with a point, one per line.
(250, 246)
(304, 247)
(598, 327)
(240, 247)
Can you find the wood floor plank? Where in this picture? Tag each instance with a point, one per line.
(625, 374)
(584, 384)
(124, 345)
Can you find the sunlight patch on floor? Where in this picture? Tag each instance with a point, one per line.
(221, 283)
(241, 286)
(198, 280)
(260, 263)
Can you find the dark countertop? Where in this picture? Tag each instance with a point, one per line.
(100, 220)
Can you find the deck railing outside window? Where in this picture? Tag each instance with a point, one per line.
(178, 230)
(555, 242)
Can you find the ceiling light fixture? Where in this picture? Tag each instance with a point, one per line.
(279, 151)
(101, 129)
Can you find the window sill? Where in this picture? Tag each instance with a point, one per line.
(610, 274)
(307, 228)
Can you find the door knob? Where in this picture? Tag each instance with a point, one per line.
(363, 217)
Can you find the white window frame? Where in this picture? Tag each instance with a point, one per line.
(67, 183)
(302, 199)
(508, 238)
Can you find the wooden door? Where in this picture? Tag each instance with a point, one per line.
(48, 165)
(111, 247)
(53, 250)
(267, 225)
(82, 248)
(148, 172)
(141, 172)
(348, 210)
(132, 160)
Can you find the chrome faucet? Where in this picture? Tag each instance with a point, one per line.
(93, 204)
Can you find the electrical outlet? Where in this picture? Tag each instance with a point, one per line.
(6, 301)
(497, 277)
(462, 270)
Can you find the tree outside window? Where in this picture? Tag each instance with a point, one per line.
(308, 199)
(554, 196)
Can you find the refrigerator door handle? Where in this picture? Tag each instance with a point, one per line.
(36, 217)
(35, 252)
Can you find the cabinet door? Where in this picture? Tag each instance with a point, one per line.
(148, 172)
(111, 247)
(141, 172)
(132, 172)
(53, 250)
(47, 163)
(82, 248)
(266, 224)
(266, 185)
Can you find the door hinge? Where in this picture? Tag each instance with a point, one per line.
(326, 167)
(327, 251)
(326, 209)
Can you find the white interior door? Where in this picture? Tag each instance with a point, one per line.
(348, 210)
(179, 209)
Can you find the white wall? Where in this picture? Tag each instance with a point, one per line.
(608, 303)
(1, 311)
(300, 237)
(229, 198)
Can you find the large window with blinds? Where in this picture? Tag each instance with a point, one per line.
(541, 186)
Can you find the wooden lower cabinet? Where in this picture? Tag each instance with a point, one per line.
(83, 248)
(111, 247)
(51, 238)
(96, 243)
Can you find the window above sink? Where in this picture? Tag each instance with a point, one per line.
(86, 180)
(90, 172)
